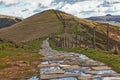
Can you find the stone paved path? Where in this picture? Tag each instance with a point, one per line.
(58, 65)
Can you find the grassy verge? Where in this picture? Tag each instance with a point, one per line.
(105, 57)
(19, 61)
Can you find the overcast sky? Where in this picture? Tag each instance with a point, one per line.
(80, 8)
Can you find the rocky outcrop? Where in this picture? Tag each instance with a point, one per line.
(6, 21)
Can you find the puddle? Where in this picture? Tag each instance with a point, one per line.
(70, 78)
(47, 69)
(83, 74)
(105, 72)
(83, 57)
(33, 78)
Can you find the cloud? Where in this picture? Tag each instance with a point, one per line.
(80, 8)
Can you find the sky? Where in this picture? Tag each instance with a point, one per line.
(79, 8)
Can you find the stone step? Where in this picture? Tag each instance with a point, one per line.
(54, 76)
(100, 68)
(91, 72)
(111, 75)
(70, 67)
(107, 72)
(111, 78)
(55, 72)
(85, 78)
(47, 65)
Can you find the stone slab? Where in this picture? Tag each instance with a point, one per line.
(99, 68)
(54, 76)
(47, 65)
(111, 75)
(71, 67)
(90, 72)
(55, 72)
(85, 78)
(111, 78)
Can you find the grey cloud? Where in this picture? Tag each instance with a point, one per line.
(24, 10)
(69, 1)
(7, 5)
(87, 12)
(105, 4)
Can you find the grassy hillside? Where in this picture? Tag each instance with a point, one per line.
(84, 28)
(32, 28)
(47, 22)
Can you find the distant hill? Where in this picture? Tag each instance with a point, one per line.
(113, 19)
(6, 21)
(47, 22)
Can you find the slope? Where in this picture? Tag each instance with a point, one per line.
(34, 27)
(52, 21)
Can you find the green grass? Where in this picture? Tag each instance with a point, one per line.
(7, 53)
(11, 53)
(103, 56)
(3, 65)
(34, 45)
(11, 48)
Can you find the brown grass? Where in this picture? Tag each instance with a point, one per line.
(46, 22)
(33, 27)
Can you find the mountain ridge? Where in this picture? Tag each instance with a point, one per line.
(112, 19)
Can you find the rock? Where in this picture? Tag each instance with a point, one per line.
(45, 62)
(47, 65)
(22, 63)
(55, 76)
(98, 68)
(111, 75)
(111, 78)
(101, 72)
(91, 72)
(55, 72)
(71, 67)
(85, 78)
